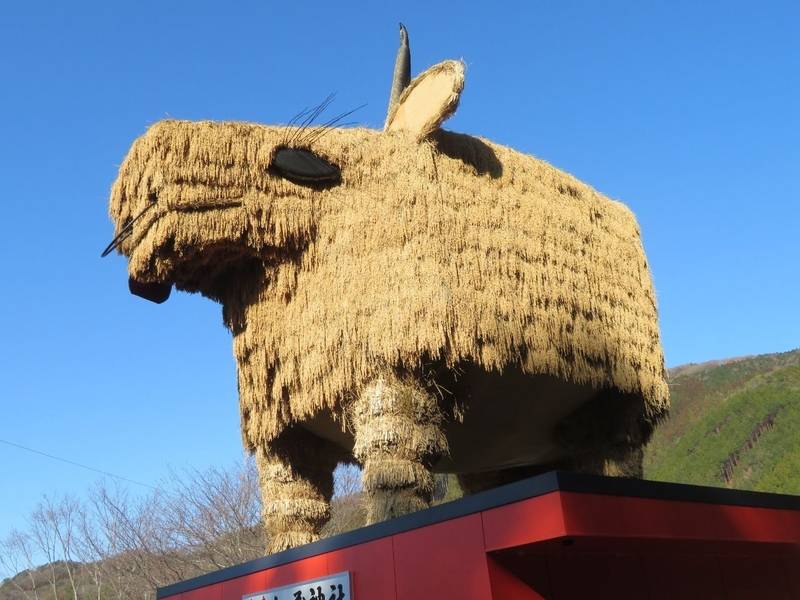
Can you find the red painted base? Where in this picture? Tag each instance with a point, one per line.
(558, 545)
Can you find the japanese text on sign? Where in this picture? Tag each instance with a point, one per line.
(333, 587)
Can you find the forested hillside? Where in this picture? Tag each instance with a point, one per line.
(733, 423)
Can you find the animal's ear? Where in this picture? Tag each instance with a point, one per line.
(428, 100)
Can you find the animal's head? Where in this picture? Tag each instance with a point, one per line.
(196, 203)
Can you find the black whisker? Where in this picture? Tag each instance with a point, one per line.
(313, 115)
(298, 116)
(291, 122)
(124, 232)
(339, 126)
(321, 130)
(341, 116)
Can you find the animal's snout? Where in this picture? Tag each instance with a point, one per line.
(155, 292)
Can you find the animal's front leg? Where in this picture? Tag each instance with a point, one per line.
(398, 436)
(296, 477)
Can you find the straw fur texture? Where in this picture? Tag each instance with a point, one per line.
(455, 251)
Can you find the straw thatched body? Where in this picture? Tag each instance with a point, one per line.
(442, 303)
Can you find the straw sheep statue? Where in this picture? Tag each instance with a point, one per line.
(411, 299)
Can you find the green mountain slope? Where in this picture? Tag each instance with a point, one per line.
(733, 423)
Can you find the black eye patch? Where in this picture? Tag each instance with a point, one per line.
(303, 167)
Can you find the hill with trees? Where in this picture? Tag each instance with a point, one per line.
(733, 423)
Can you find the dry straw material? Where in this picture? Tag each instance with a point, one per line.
(296, 477)
(439, 87)
(423, 256)
(455, 250)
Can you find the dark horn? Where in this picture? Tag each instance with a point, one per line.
(402, 69)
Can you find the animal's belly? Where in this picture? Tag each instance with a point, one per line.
(509, 421)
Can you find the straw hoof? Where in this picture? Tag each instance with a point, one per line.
(617, 461)
(390, 503)
(278, 542)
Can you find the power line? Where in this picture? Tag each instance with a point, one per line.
(77, 464)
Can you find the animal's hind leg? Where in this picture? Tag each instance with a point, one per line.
(296, 478)
(398, 436)
(606, 435)
(619, 461)
(472, 483)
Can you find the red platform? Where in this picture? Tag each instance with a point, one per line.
(558, 536)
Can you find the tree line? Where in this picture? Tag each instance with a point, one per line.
(120, 545)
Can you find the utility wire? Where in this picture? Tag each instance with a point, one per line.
(77, 464)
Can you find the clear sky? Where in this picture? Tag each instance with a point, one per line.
(686, 111)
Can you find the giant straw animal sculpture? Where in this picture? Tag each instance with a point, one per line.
(413, 299)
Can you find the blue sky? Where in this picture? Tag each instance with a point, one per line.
(686, 111)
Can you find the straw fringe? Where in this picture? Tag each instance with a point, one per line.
(389, 473)
(408, 438)
(485, 256)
